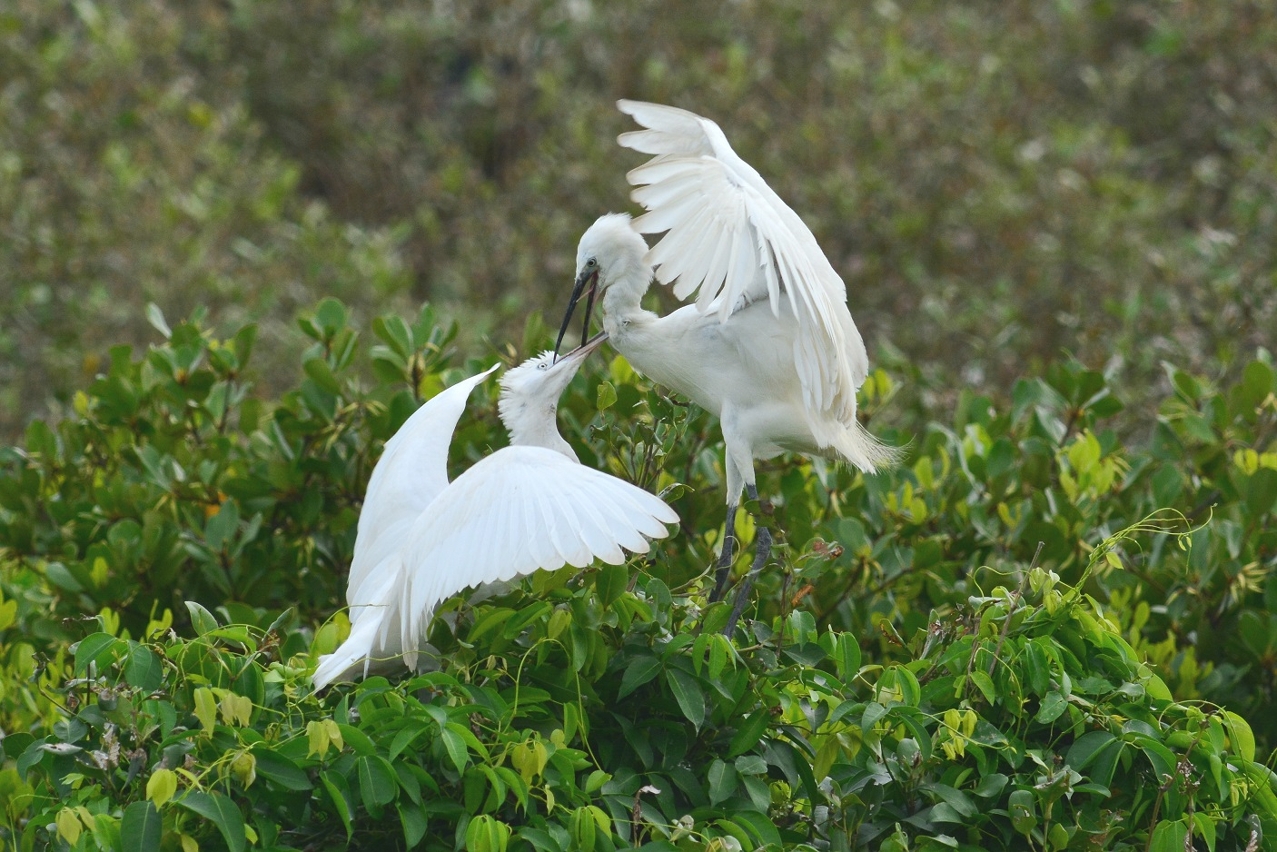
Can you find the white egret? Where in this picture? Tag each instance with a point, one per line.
(527, 506)
(769, 347)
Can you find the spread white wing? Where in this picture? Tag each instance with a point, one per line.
(519, 510)
(411, 473)
(728, 235)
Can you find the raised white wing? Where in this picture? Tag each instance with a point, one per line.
(412, 471)
(728, 235)
(516, 511)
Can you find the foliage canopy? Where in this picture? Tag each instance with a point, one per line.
(910, 678)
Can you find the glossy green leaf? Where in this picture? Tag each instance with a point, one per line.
(141, 827)
(220, 811)
(640, 671)
(688, 694)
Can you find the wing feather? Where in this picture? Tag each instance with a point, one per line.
(705, 198)
(671, 131)
(412, 471)
(519, 510)
(368, 640)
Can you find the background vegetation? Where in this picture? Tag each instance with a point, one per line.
(1056, 224)
(996, 182)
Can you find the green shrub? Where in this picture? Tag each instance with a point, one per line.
(586, 716)
(889, 689)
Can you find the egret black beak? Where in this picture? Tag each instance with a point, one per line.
(591, 278)
(580, 353)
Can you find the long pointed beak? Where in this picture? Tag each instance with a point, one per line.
(591, 278)
(581, 352)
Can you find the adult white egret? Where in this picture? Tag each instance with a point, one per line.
(769, 346)
(527, 506)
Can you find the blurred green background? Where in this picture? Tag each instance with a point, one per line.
(997, 182)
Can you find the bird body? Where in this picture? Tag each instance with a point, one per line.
(527, 506)
(769, 345)
(746, 370)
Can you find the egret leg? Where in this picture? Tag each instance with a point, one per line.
(764, 548)
(725, 557)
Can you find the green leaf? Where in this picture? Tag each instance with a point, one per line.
(141, 828)
(280, 770)
(1161, 758)
(611, 583)
(411, 730)
(456, 748)
(220, 811)
(1039, 665)
(985, 684)
(1086, 747)
(1169, 836)
(339, 794)
(688, 694)
(201, 619)
(749, 733)
(357, 739)
(1053, 706)
(392, 330)
(956, 799)
(331, 315)
(1020, 807)
(722, 781)
(243, 343)
(1241, 738)
(991, 786)
(94, 647)
(62, 577)
(606, 396)
(910, 691)
(142, 668)
(762, 830)
(414, 822)
(377, 783)
(1206, 828)
(848, 658)
(638, 672)
(321, 374)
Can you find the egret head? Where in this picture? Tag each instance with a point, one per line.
(610, 251)
(530, 395)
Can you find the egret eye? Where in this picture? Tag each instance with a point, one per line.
(591, 263)
(543, 366)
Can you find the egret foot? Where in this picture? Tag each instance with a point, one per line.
(763, 550)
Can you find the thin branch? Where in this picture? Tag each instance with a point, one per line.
(1015, 598)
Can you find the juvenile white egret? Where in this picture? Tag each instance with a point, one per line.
(769, 346)
(527, 506)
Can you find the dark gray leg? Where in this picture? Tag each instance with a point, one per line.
(725, 557)
(762, 550)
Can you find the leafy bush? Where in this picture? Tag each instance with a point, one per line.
(588, 716)
(1082, 712)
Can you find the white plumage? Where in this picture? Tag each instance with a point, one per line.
(527, 506)
(769, 346)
